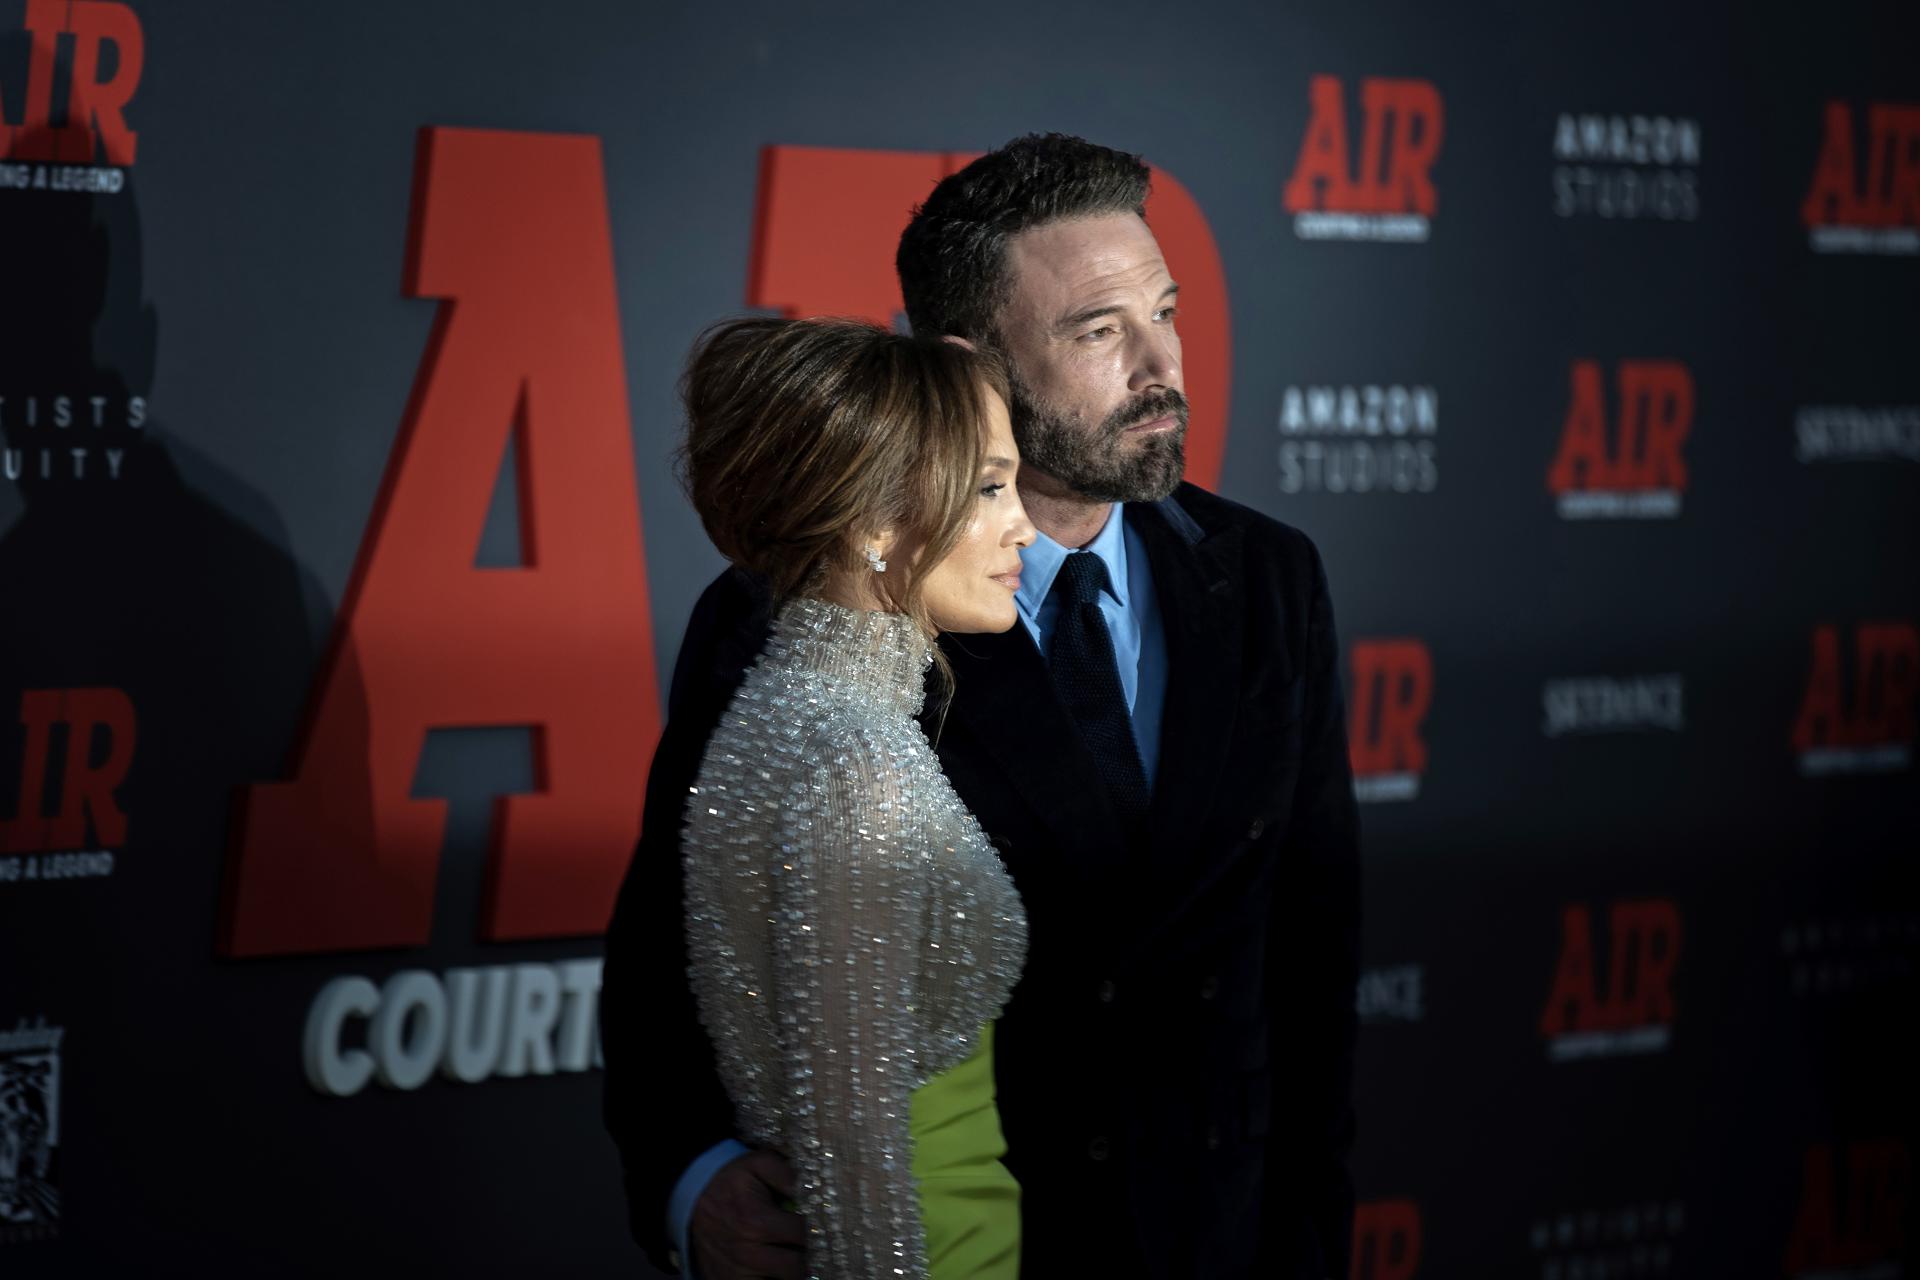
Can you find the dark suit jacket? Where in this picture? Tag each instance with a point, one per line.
(1174, 1068)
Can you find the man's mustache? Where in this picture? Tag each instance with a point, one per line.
(1158, 405)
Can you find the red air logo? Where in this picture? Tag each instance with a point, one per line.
(1635, 471)
(1392, 688)
(1875, 208)
(1634, 1011)
(1872, 731)
(830, 220)
(1385, 190)
(342, 856)
(1853, 1208)
(1386, 1240)
(96, 50)
(76, 749)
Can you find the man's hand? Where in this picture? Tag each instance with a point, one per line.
(739, 1231)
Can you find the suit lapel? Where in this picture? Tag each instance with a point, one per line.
(1005, 699)
(1194, 577)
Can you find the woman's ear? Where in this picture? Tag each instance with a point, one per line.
(878, 547)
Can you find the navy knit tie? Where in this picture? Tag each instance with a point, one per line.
(1088, 681)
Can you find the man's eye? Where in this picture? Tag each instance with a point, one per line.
(989, 491)
(1167, 313)
(1101, 332)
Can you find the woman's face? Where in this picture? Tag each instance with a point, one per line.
(972, 589)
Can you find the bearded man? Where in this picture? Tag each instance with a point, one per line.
(1159, 754)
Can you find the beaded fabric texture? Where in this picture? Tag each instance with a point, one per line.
(849, 927)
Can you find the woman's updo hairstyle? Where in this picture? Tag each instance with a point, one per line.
(803, 436)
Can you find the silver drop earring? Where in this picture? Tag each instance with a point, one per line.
(874, 561)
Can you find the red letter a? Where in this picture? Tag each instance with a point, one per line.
(1830, 200)
(1814, 1237)
(1583, 461)
(511, 229)
(1823, 719)
(32, 139)
(1573, 1003)
(1323, 156)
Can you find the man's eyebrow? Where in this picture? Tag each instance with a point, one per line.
(1079, 318)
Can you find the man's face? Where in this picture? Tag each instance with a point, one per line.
(1088, 328)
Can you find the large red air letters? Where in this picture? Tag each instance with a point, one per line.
(1656, 414)
(1888, 193)
(342, 856)
(1645, 947)
(527, 341)
(87, 786)
(1886, 677)
(1400, 140)
(830, 219)
(1848, 1224)
(95, 107)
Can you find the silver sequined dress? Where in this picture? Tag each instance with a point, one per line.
(850, 928)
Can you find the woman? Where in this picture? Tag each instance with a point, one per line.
(852, 933)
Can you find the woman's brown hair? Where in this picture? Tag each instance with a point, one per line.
(805, 435)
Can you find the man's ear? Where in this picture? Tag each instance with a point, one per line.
(959, 341)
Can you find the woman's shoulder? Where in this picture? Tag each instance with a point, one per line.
(858, 742)
(782, 736)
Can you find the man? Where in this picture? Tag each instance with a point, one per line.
(1159, 755)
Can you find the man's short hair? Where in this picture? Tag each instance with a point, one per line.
(952, 258)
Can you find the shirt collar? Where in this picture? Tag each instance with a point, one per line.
(1040, 563)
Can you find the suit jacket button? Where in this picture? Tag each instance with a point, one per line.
(1209, 987)
(1107, 992)
(1254, 828)
(1097, 1149)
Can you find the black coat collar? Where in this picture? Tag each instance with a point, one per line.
(1196, 578)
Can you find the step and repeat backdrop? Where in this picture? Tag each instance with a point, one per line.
(342, 565)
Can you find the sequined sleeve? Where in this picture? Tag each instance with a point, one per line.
(850, 920)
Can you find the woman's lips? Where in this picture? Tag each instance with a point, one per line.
(1011, 580)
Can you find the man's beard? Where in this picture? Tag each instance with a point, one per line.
(1100, 463)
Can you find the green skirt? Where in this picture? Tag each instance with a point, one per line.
(969, 1203)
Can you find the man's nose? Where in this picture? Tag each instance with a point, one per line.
(1156, 364)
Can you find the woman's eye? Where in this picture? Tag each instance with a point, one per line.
(989, 491)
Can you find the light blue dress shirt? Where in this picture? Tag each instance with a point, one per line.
(1132, 611)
